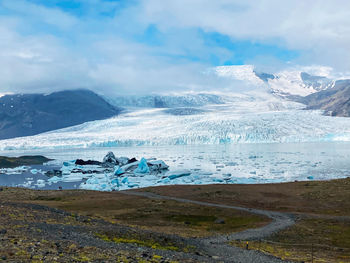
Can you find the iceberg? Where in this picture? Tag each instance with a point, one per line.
(16, 170)
(157, 165)
(142, 167)
(122, 160)
(40, 183)
(54, 179)
(176, 174)
(115, 183)
(118, 170)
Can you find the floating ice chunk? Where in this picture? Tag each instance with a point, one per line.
(118, 170)
(66, 170)
(26, 184)
(142, 167)
(217, 180)
(133, 185)
(164, 181)
(16, 170)
(100, 183)
(177, 174)
(206, 173)
(158, 165)
(231, 164)
(54, 179)
(34, 171)
(110, 158)
(130, 166)
(76, 177)
(69, 163)
(115, 182)
(40, 183)
(53, 163)
(122, 160)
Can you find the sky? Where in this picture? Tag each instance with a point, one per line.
(160, 46)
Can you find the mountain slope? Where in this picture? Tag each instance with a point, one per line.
(29, 114)
(335, 101)
(298, 83)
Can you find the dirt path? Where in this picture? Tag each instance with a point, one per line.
(34, 231)
(218, 247)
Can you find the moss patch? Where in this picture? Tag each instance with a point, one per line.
(327, 239)
(146, 243)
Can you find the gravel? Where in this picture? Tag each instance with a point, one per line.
(218, 248)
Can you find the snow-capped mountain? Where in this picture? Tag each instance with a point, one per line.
(291, 83)
(286, 83)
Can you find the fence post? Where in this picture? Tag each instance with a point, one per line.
(312, 253)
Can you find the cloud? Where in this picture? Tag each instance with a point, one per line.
(153, 46)
(40, 14)
(319, 28)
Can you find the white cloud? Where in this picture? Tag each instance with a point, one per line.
(321, 28)
(102, 54)
(41, 14)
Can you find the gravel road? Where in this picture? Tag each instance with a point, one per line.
(217, 247)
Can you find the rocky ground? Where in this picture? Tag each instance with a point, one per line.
(281, 222)
(33, 232)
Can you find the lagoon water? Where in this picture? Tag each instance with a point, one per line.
(230, 163)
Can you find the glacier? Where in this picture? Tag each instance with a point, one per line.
(253, 117)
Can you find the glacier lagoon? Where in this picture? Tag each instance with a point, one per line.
(248, 138)
(204, 164)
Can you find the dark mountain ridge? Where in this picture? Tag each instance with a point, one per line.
(334, 101)
(30, 114)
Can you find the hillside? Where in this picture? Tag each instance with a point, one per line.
(335, 101)
(30, 114)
